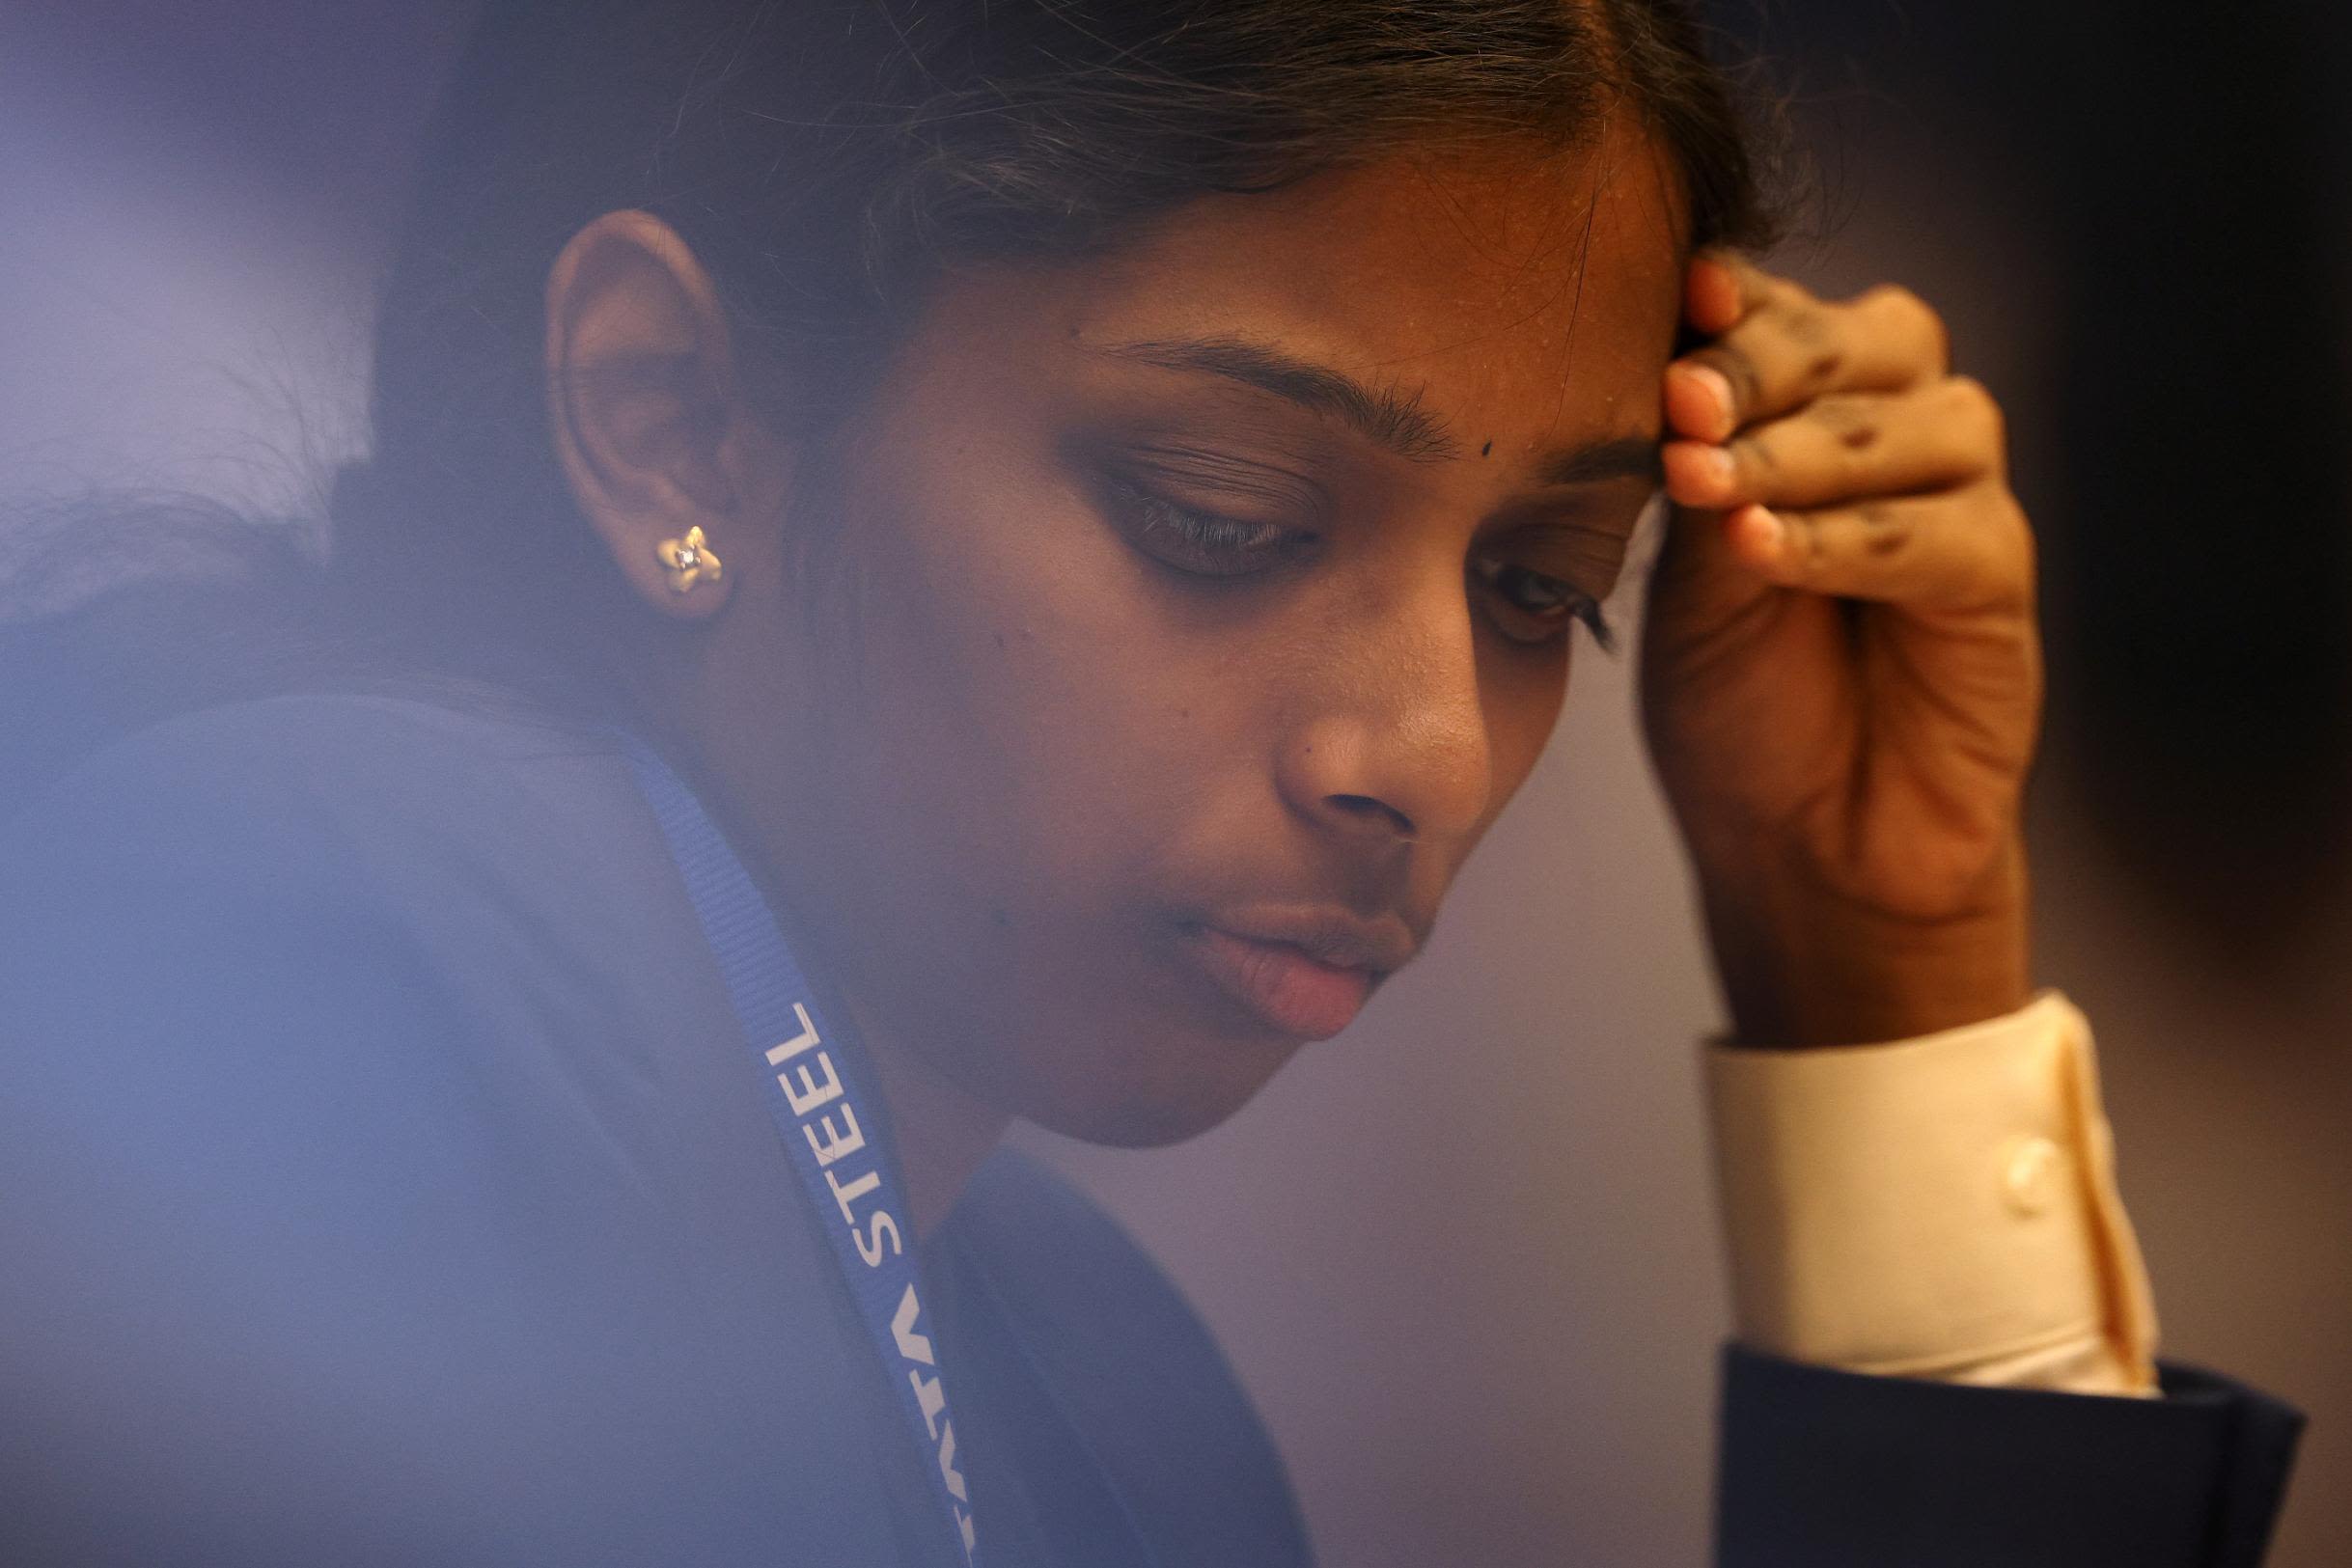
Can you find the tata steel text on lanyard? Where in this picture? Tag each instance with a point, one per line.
(830, 1118)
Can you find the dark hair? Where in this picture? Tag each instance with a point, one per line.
(830, 159)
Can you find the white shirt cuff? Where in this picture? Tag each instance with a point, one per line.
(1942, 1207)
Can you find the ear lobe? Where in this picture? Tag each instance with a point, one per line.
(644, 409)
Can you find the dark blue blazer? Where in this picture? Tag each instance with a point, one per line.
(381, 1180)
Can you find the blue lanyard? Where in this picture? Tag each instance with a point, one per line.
(830, 1118)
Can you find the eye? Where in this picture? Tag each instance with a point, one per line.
(1532, 609)
(1196, 542)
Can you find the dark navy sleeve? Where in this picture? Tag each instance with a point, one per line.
(1822, 1469)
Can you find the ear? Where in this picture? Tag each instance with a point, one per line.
(646, 414)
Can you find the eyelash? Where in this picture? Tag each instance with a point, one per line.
(1208, 544)
(1212, 545)
(1569, 604)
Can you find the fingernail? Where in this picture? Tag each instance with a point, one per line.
(1715, 465)
(1718, 387)
(1765, 531)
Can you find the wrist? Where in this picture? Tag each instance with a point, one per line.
(1802, 965)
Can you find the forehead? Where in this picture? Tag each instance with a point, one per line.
(1526, 293)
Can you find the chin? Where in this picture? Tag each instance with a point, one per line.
(1183, 1091)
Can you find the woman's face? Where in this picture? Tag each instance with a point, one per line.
(1210, 601)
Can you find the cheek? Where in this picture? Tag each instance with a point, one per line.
(1017, 678)
(1021, 736)
(1523, 700)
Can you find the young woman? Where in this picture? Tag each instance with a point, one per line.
(927, 565)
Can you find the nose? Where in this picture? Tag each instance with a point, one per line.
(1394, 745)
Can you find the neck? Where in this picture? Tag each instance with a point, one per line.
(944, 1133)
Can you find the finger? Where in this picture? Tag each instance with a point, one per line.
(1845, 445)
(1793, 348)
(1719, 287)
(1960, 550)
(1703, 589)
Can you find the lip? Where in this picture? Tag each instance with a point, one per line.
(1306, 974)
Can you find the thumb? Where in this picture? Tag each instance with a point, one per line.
(1699, 590)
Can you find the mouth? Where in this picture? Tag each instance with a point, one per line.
(1305, 979)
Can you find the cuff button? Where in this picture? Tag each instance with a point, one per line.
(2029, 1175)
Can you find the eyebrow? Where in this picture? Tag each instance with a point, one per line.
(1385, 416)
(1391, 418)
(1624, 456)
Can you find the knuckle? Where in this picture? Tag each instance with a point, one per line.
(1756, 454)
(1738, 368)
(1805, 555)
(2001, 554)
(1887, 299)
(1806, 321)
(1847, 424)
(2015, 528)
(1972, 403)
(1779, 288)
(1878, 517)
(1914, 320)
(1999, 582)
(1793, 356)
(1885, 532)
